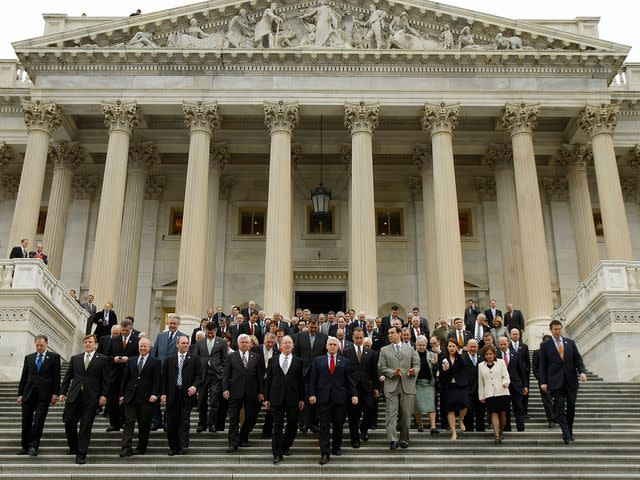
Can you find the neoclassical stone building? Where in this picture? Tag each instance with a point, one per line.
(167, 160)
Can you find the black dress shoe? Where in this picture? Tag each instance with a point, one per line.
(393, 445)
(33, 452)
(287, 453)
(139, 451)
(212, 429)
(81, 459)
(403, 444)
(324, 459)
(355, 444)
(184, 451)
(364, 437)
(72, 452)
(173, 453)
(420, 429)
(277, 460)
(23, 452)
(552, 424)
(232, 449)
(126, 452)
(435, 431)
(567, 441)
(337, 453)
(113, 429)
(245, 444)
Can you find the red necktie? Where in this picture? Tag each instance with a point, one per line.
(506, 359)
(124, 343)
(417, 332)
(251, 329)
(332, 364)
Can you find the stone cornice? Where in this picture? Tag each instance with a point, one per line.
(281, 116)
(499, 157)
(143, 155)
(598, 119)
(121, 116)
(43, 116)
(201, 117)
(520, 117)
(440, 117)
(66, 155)
(361, 117)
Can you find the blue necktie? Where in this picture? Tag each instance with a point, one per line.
(39, 362)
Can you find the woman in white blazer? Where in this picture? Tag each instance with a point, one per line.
(493, 389)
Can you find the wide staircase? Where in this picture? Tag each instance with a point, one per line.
(607, 446)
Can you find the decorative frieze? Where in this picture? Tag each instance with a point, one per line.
(596, 119)
(121, 116)
(44, 116)
(66, 155)
(520, 117)
(281, 116)
(440, 117)
(361, 117)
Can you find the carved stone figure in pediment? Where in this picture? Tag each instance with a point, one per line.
(446, 38)
(375, 23)
(264, 36)
(466, 41)
(194, 38)
(404, 36)
(284, 36)
(239, 33)
(327, 22)
(142, 39)
(513, 43)
(309, 39)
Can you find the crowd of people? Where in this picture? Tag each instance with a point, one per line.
(310, 373)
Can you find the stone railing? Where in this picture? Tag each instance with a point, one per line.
(628, 77)
(13, 74)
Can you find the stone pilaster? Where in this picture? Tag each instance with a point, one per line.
(281, 118)
(142, 156)
(440, 120)
(120, 119)
(520, 120)
(575, 159)
(65, 157)
(201, 119)
(361, 119)
(599, 121)
(42, 119)
(423, 158)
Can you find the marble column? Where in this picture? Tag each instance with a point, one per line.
(599, 121)
(142, 156)
(500, 158)
(42, 119)
(281, 118)
(424, 161)
(575, 160)
(217, 160)
(520, 120)
(362, 119)
(66, 157)
(440, 120)
(202, 119)
(120, 118)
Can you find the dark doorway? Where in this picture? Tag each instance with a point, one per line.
(322, 302)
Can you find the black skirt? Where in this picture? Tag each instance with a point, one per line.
(497, 404)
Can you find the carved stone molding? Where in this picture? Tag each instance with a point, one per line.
(486, 187)
(226, 185)
(596, 119)
(556, 188)
(11, 185)
(201, 117)
(219, 155)
(440, 117)
(629, 187)
(415, 188)
(361, 117)
(155, 186)
(66, 155)
(499, 157)
(44, 116)
(84, 187)
(520, 117)
(6, 156)
(121, 116)
(296, 155)
(423, 157)
(575, 158)
(143, 155)
(281, 116)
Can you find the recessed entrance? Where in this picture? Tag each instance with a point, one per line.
(322, 302)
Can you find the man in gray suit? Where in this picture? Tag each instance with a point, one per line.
(91, 309)
(399, 364)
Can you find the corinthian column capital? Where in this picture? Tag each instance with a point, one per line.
(143, 155)
(84, 187)
(6, 155)
(361, 117)
(155, 186)
(281, 116)
(634, 161)
(520, 117)
(43, 116)
(575, 158)
(499, 157)
(121, 116)
(440, 117)
(595, 119)
(556, 188)
(66, 155)
(201, 116)
(423, 157)
(219, 155)
(486, 187)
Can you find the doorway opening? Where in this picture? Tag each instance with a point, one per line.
(322, 302)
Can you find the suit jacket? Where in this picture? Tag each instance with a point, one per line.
(95, 381)
(376, 339)
(212, 365)
(472, 371)
(138, 387)
(423, 331)
(302, 348)
(517, 375)
(514, 319)
(191, 377)
(161, 350)
(103, 326)
(193, 334)
(347, 346)
(246, 313)
(454, 334)
(490, 380)
(43, 256)
(284, 390)
(470, 315)
(16, 252)
(560, 373)
(44, 383)
(472, 329)
(389, 360)
(115, 350)
(328, 388)
(364, 371)
(490, 315)
(260, 351)
(257, 330)
(459, 371)
(523, 351)
(386, 324)
(535, 364)
(104, 342)
(243, 382)
(91, 310)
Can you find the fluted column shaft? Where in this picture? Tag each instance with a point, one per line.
(599, 121)
(520, 121)
(362, 120)
(121, 118)
(41, 120)
(440, 120)
(281, 118)
(201, 120)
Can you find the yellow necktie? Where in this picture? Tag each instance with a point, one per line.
(87, 361)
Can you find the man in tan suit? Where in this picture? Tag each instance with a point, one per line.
(398, 365)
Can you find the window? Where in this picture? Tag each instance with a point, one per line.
(252, 221)
(42, 220)
(389, 222)
(321, 225)
(597, 222)
(465, 221)
(175, 221)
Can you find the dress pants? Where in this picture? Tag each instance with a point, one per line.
(221, 416)
(83, 410)
(564, 407)
(141, 411)
(309, 415)
(267, 427)
(34, 414)
(116, 411)
(398, 404)
(209, 400)
(474, 419)
(360, 415)
(518, 410)
(178, 420)
(547, 402)
(280, 441)
(239, 435)
(331, 416)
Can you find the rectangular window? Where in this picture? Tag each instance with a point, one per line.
(42, 221)
(252, 221)
(389, 222)
(597, 222)
(465, 221)
(175, 221)
(320, 225)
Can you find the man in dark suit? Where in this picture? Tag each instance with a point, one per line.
(181, 378)
(246, 312)
(39, 387)
(560, 365)
(308, 345)
(85, 388)
(266, 351)
(460, 334)
(547, 400)
(474, 419)
(364, 363)
(252, 327)
(492, 312)
(470, 313)
(104, 342)
(20, 251)
(105, 319)
(200, 328)
(39, 254)
(339, 324)
(478, 328)
(518, 384)
(513, 319)
(375, 336)
(91, 309)
(522, 349)
(417, 329)
(139, 391)
(331, 384)
(344, 343)
(243, 386)
(212, 352)
(284, 396)
(387, 322)
(121, 348)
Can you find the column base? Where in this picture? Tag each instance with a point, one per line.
(188, 323)
(535, 328)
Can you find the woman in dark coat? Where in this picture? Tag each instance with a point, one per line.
(454, 379)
